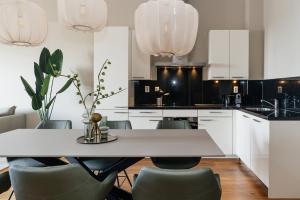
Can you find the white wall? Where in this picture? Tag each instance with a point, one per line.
(282, 38)
(15, 61)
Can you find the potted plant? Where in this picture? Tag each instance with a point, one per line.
(43, 97)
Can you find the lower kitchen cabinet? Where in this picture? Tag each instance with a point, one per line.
(260, 137)
(144, 122)
(252, 143)
(114, 115)
(243, 137)
(220, 129)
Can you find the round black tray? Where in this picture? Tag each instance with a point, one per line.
(110, 138)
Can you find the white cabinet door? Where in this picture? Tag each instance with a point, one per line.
(243, 138)
(220, 129)
(140, 62)
(218, 54)
(115, 115)
(239, 54)
(260, 149)
(180, 113)
(147, 123)
(113, 43)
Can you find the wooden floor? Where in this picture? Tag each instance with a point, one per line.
(238, 183)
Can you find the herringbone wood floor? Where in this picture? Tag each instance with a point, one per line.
(238, 183)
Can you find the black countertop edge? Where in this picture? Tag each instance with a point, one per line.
(290, 116)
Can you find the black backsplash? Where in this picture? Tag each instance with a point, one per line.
(187, 88)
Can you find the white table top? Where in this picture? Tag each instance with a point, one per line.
(131, 143)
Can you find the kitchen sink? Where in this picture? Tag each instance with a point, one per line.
(259, 109)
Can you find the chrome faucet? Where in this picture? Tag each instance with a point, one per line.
(275, 105)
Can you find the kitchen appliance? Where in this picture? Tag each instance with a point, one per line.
(232, 100)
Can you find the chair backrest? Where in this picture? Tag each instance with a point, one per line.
(173, 124)
(119, 124)
(55, 124)
(158, 184)
(68, 182)
(4, 182)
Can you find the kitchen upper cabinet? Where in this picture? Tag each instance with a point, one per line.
(239, 54)
(260, 134)
(219, 54)
(113, 43)
(228, 54)
(218, 124)
(140, 63)
(243, 137)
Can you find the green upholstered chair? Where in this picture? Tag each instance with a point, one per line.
(100, 164)
(67, 182)
(55, 124)
(162, 184)
(175, 163)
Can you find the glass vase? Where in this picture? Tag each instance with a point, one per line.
(87, 124)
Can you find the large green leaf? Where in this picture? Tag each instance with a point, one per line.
(50, 103)
(28, 88)
(45, 86)
(50, 68)
(66, 86)
(36, 102)
(39, 77)
(44, 57)
(57, 60)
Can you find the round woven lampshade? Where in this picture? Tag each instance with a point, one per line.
(166, 27)
(82, 15)
(22, 23)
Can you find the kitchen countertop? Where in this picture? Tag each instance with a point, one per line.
(281, 115)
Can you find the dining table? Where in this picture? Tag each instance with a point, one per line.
(49, 145)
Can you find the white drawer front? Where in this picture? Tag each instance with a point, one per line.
(148, 123)
(114, 115)
(145, 113)
(215, 113)
(180, 113)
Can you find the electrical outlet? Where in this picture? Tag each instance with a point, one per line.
(157, 89)
(147, 89)
(236, 89)
(279, 89)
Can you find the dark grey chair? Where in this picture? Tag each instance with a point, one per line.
(175, 163)
(4, 182)
(101, 164)
(161, 184)
(55, 124)
(51, 124)
(68, 182)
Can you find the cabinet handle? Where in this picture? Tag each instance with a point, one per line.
(256, 120)
(138, 77)
(206, 120)
(147, 112)
(121, 107)
(215, 112)
(121, 112)
(219, 77)
(154, 120)
(238, 77)
(246, 116)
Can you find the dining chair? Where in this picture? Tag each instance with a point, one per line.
(50, 124)
(162, 184)
(68, 182)
(5, 183)
(177, 162)
(100, 164)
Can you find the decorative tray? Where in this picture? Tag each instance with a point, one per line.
(110, 138)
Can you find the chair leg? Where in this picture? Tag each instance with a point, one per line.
(11, 194)
(127, 177)
(118, 181)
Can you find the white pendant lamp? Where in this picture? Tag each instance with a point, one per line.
(22, 23)
(166, 27)
(82, 15)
